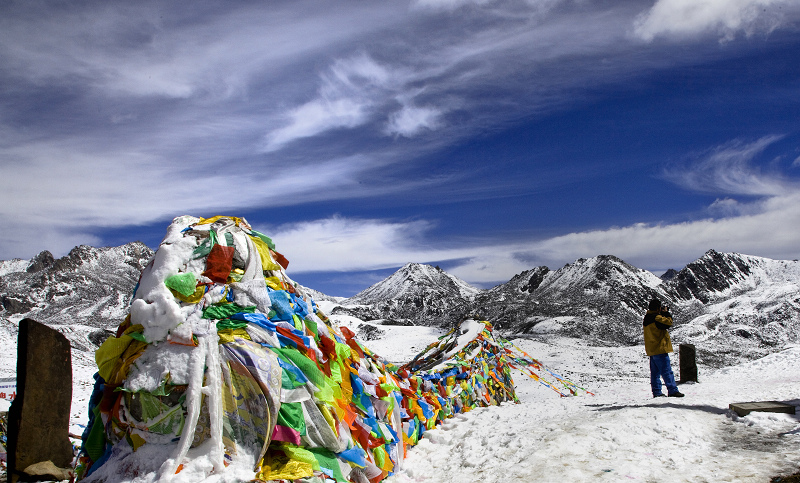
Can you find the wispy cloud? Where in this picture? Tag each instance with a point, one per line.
(410, 120)
(342, 244)
(723, 18)
(769, 226)
(316, 117)
(728, 169)
(344, 100)
(119, 115)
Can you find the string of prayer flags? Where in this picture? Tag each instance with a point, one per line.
(224, 364)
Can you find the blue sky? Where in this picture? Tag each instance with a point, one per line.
(487, 137)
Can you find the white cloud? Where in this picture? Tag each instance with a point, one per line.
(410, 121)
(728, 169)
(346, 97)
(318, 116)
(54, 194)
(726, 207)
(141, 49)
(772, 233)
(342, 244)
(354, 73)
(768, 226)
(726, 18)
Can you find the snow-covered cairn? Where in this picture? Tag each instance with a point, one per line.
(225, 370)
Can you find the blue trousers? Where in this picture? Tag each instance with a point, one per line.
(660, 368)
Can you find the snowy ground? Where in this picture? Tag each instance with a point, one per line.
(619, 434)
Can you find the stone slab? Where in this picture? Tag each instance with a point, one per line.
(38, 420)
(687, 363)
(745, 408)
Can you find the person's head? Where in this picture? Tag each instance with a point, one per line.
(655, 305)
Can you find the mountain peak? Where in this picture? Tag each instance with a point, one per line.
(40, 262)
(414, 278)
(669, 275)
(89, 284)
(419, 292)
(717, 274)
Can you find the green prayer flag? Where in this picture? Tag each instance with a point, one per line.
(291, 416)
(226, 310)
(183, 283)
(265, 238)
(306, 365)
(137, 336)
(328, 459)
(95, 444)
(225, 324)
(312, 326)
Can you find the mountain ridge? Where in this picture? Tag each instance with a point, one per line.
(726, 303)
(723, 302)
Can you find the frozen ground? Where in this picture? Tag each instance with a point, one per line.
(619, 434)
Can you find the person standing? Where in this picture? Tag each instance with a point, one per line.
(658, 345)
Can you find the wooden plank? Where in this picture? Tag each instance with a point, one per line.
(745, 408)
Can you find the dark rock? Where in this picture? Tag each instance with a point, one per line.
(395, 322)
(38, 422)
(369, 332)
(362, 312)
(40, 262)
(16, 305)
(688, 363)
(714, 272)
(669, 275)
(99, 336)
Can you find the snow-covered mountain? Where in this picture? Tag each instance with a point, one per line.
(729, 305)
(599, 298)
(733, 304)
(82, 294)
(417, 293)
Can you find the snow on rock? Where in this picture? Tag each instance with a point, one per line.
(408, 279)
(13, 266)
(731, 305)
(604, 297)
(397, 344)
(416, 292)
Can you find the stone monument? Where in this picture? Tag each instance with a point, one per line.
(688, 363)
(38, 420)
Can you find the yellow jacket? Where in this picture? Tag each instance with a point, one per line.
(656, 337)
